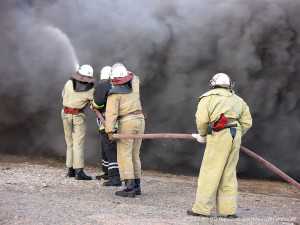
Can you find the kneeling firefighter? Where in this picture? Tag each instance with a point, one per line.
(124, 107)
(77, 94)
(109, 148)
(222, 117)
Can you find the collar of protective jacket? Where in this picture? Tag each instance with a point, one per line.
(218, 91)
(81, 78)
(122, 80)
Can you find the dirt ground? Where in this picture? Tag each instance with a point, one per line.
(37, 192)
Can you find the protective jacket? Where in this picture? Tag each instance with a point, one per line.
(76, 99)
(121, 105)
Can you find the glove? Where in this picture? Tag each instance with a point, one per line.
(91, 107)
(199, 138)
(110, 136)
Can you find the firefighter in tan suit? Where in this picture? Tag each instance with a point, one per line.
(222, 117)
(124, 111)
(77, 94)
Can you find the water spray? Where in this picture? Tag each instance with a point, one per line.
(63, 38)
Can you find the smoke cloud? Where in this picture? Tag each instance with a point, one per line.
(175, 47)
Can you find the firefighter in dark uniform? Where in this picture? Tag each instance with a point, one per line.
(109, 149)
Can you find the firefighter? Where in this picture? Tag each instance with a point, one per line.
(223, 118)
(124, 109)
(109, 149)
(77, 94)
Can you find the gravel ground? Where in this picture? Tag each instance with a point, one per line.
(37, 192)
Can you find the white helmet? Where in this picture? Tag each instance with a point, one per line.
(105, 73)
(118, 71)
(86, 70)
(221, 80)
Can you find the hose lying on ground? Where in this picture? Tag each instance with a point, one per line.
(245, 150)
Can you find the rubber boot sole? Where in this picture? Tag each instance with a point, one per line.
(111, 184)
(80, 178)
(233, 216)
(126, 194)
(191, 213)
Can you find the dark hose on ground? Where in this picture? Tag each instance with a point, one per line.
(245, 150)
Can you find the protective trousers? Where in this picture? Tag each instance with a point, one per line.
(74, 129)
(217, 182)
(109, 156)
(128, 150)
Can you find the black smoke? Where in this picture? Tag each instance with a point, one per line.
(175, 47)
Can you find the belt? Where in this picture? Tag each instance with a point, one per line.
(232, 128)
(137, 112)
(210, 128)
(72, 111)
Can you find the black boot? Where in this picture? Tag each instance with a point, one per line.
(80, 175)
(129, 191)
(71, 172)
(191, 213)
(113, 181)
(137, 186)
(232, 216)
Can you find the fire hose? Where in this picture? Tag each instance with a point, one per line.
(245, 150)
